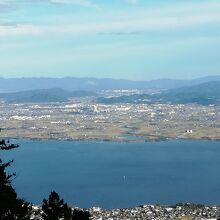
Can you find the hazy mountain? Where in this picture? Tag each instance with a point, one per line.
(94, 84)
(172, 84)
(43, 95)
(205, 93)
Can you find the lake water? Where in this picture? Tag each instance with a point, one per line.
(110, 174)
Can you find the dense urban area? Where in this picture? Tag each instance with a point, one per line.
(150, 212)
(85, 119)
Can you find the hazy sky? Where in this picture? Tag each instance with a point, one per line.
(133, 39)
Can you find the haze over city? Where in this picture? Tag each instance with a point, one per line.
(130, 39)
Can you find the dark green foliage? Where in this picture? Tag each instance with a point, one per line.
(11, 207)
(54, 209)
(81, 215)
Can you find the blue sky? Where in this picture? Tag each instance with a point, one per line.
(130, 39)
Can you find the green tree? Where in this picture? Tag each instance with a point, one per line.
(11, 207)
(54, 208)
(80, 215)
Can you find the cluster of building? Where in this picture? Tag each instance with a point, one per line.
(149, 212)
(83, 118)
(156, 212)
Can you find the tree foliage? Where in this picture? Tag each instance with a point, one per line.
(54, 209)
(11, 207)
(80, 215)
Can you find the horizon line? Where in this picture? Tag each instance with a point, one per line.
(106, 78)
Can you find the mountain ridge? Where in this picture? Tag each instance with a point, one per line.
(43, 95)
(205, 93)
(94, 84)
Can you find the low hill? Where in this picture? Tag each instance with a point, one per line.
(205, 93)
(43, 95)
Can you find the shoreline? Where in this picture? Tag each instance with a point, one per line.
(118, 123)
(112, 140)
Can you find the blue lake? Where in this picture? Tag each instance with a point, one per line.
(110, 174)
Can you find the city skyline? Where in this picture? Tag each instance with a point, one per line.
(129, 39)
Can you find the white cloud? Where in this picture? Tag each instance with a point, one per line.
(148, 24)
(7, 6)
(19, 30)
(121, 22)
(83, 3)
(11, 4)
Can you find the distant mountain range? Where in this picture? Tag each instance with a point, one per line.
(194, 91)
(94, 84)
(43, 95)
(205, 93)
